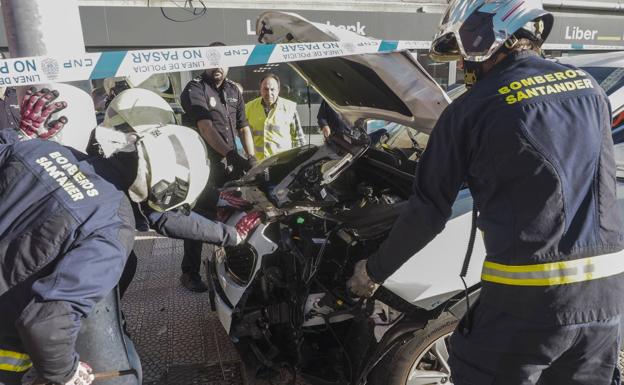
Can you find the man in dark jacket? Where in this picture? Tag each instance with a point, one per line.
(214, 106)
(532, 138)
(330, 121)
(67, 228)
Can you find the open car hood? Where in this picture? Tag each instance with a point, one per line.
(391, 86)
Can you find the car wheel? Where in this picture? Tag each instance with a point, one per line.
(421, 361)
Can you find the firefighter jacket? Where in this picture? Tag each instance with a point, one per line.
(277, 131)
(533, 141)
(66, 232)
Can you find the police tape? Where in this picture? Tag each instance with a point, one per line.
(46, 69)
(90, 66)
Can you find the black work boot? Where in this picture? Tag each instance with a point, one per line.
(193, 282)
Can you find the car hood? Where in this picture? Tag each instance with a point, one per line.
(391, 86)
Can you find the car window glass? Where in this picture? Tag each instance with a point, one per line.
(617, 130)
(610, 79)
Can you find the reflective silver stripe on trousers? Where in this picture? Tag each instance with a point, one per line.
(541, 274)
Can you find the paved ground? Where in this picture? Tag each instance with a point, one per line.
(180, 341)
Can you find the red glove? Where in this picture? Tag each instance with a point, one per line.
(233, 199)
(248, 223)
(224, 213)
(36, 110)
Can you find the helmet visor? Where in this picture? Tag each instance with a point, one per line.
(467, 30)
(166, 195)
(169, 169)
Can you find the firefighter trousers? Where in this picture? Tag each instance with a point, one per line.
(494, 348)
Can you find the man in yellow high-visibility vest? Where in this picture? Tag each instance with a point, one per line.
(274, 121)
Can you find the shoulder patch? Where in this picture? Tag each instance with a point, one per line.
(237, 85)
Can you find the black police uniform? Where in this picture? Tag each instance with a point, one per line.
(225, 108)
(533, 140)
(9, 110)
(326, 116)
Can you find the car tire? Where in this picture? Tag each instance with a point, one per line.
(399, 364)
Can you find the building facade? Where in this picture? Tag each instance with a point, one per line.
(580, 27)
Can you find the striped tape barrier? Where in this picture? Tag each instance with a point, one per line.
(46, 69)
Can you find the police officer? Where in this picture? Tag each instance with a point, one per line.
(214, 106)
(532, 138)
(67, 228)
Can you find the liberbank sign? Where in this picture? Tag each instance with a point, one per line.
(119, 27)
(567, 29)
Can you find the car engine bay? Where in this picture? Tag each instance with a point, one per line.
(296, 304)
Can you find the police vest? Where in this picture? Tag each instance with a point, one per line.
(273, 133)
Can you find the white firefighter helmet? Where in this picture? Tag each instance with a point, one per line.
(173, 166)
(475, 29)
(135, 107)
(80, 114)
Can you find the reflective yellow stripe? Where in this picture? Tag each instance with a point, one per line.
(13, 361)
(529, 268)
(554, 273)
(540, 282)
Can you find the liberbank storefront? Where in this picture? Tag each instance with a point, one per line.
(123, 27)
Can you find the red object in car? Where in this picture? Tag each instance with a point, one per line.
(248, 223)
(618, 120)
(233, 199)
(224, 213)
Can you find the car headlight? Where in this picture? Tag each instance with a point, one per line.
(240, 263)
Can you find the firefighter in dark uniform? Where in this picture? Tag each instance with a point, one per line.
(330, 122)
(532, 138)
(214, 106)
(67, 228)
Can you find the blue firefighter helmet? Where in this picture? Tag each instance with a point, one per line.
(475, 29)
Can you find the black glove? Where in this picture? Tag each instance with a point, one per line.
(235, 159)
(252, 161)
(236, 164)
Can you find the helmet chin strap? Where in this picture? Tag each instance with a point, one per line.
(473, 71)
(139, 191)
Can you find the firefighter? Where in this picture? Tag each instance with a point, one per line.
(532, 138)
(68, 226)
